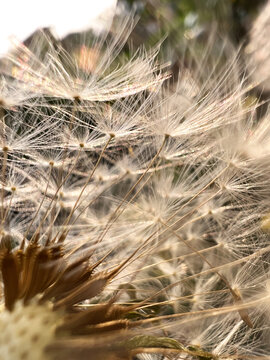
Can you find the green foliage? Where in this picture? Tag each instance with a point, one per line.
(146, 341)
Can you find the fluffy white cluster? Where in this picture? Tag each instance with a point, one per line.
(114, 156)
(27, 331)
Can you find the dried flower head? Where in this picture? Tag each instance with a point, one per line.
(132, 211)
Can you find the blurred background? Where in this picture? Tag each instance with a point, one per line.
(179, 25)
(191, 18)
(172, 19)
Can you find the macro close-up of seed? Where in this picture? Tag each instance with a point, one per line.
(134, 186)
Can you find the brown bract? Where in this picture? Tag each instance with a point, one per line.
(47, 274)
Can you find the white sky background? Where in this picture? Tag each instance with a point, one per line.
(20, 18)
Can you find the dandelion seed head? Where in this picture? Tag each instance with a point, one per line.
(131, 204)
